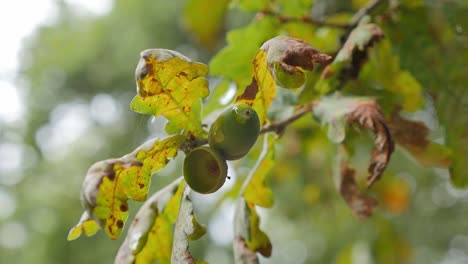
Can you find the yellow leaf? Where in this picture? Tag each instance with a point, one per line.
(248, 229)
(261, 92)
(110, 183)
(256, 192)
(171, 85)
(86, 225)
(158, 246)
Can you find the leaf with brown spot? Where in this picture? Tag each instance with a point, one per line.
(349, 60)
(187, 228)
(337, 111)
(110, 183)
(149, 237)
(262, 90)
(361, 205)
(171, 85)
(413, 137)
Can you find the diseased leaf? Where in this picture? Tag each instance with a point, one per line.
(350, 58)
(338, 111)
(150, 235)
(233, 62)
(256, 192)
(282, 54)
(110, 183)
(187, 228)
(261, 91)
(205, 26)
(159, 244)
(361, 205)
(171, 85)
(86, 225)
(413, 137)
(247, 229)
(288, 58)
(292, 54)
(368, 115)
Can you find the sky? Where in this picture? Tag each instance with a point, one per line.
(18, 20)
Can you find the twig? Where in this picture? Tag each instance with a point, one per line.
(365, 10)
(279, 127)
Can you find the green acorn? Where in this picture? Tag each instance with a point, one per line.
(235, 131)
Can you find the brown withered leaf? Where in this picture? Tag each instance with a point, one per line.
(367, 114)
(362, 205)
(351, 57)
(292, 53)
(413, 137)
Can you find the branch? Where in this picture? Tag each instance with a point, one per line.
(279, 127)
(365, 10)
(361, 13)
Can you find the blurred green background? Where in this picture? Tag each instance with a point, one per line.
(76, 79)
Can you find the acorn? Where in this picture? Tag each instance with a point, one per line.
(235, 131)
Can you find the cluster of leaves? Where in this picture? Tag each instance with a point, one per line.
(171, 85)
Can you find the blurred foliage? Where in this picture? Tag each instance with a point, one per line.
(81, 67)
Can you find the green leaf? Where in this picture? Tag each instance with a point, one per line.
(150, 235)
(171, 85)
(256, 191)
(350, 58)
(86, 225)
(299, 8)
(206, 26)
(187, 228)
(338, 111)
(254, 5)
(435, 53)
(325, 39)
(383, 71)
(247, 229)
(110, 183)
(233, 62)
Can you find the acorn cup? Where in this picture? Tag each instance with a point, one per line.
(205, 170)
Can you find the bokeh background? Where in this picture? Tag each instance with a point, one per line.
(66, 80)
